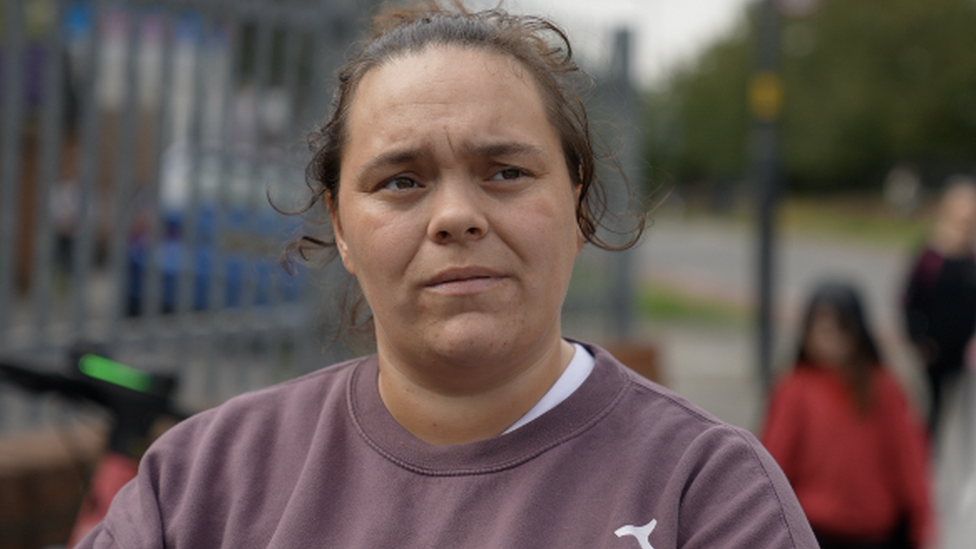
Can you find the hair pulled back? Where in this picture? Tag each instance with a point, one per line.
(537, 43)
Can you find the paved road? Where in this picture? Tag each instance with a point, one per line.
(718, 259)
(715, 367)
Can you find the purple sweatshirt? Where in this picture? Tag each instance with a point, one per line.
(319, 462)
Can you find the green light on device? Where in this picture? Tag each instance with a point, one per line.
(114, 372)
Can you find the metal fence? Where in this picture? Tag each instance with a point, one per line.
(139, 143)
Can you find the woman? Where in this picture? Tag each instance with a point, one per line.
(456, 168)
(841, 428)
(940, 296)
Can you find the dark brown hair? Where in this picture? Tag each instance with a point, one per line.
(537, 43)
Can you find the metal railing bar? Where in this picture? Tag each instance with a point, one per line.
(150, 297)
(186, 271)
(83, 244)
(253, 165)
(50, 174)
(12, 115)
(218, 284)
(124, 180)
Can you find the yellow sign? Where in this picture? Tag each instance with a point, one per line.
(766, 96)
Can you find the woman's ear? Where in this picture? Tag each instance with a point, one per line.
(340, 239)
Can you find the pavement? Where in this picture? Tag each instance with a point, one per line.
(718, 261)
(715, 367)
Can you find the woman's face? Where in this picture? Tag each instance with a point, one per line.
(456, 212)
(827, 343)
(958, 219)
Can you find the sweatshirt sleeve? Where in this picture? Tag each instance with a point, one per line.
(98, 538)
(135, 518)
(133, 521)
(737, 497)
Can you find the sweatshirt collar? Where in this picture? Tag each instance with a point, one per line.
(580, 411)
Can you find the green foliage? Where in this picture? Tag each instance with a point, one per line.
(661, 302)
(696, 126)
(869, 83)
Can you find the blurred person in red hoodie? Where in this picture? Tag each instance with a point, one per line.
(842, 429)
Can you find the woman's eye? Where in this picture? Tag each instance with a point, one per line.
(509, 173)
(399, 183)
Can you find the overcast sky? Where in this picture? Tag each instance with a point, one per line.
(665, 31)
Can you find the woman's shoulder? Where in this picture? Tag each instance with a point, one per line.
(710, 459)
(660, 411)
(273, 411)
(313, 385)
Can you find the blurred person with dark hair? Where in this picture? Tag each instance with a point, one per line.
(842, 429)
(940, 297)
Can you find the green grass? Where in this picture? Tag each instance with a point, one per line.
(660, 302)
(853, 219)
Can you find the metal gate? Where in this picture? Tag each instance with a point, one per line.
(139, 143)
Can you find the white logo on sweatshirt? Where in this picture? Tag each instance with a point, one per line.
(641, 533)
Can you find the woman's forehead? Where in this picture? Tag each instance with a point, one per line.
(477, 96)
(437, 71)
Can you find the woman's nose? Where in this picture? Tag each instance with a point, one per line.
(457, 213)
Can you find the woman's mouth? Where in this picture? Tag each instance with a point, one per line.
(463, 280)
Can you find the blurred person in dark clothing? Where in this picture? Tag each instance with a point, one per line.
(842, 429)
(940, 298)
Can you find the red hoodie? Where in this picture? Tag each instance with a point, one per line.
(855, 473)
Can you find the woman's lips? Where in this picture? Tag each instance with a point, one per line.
(464, 280)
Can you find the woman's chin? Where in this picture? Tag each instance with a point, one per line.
(471, 341)
(474, 348)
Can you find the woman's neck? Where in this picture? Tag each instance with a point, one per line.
(434, 410)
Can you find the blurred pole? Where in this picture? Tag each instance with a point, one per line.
(765, 101)
(11, 120)
(623, 295)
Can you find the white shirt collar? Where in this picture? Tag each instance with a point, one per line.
(573, 376)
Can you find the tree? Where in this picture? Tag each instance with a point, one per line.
(697, 125)
(869, 83)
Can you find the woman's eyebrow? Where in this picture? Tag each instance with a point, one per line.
(399, 157)
(506, 148)
(395, 157)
